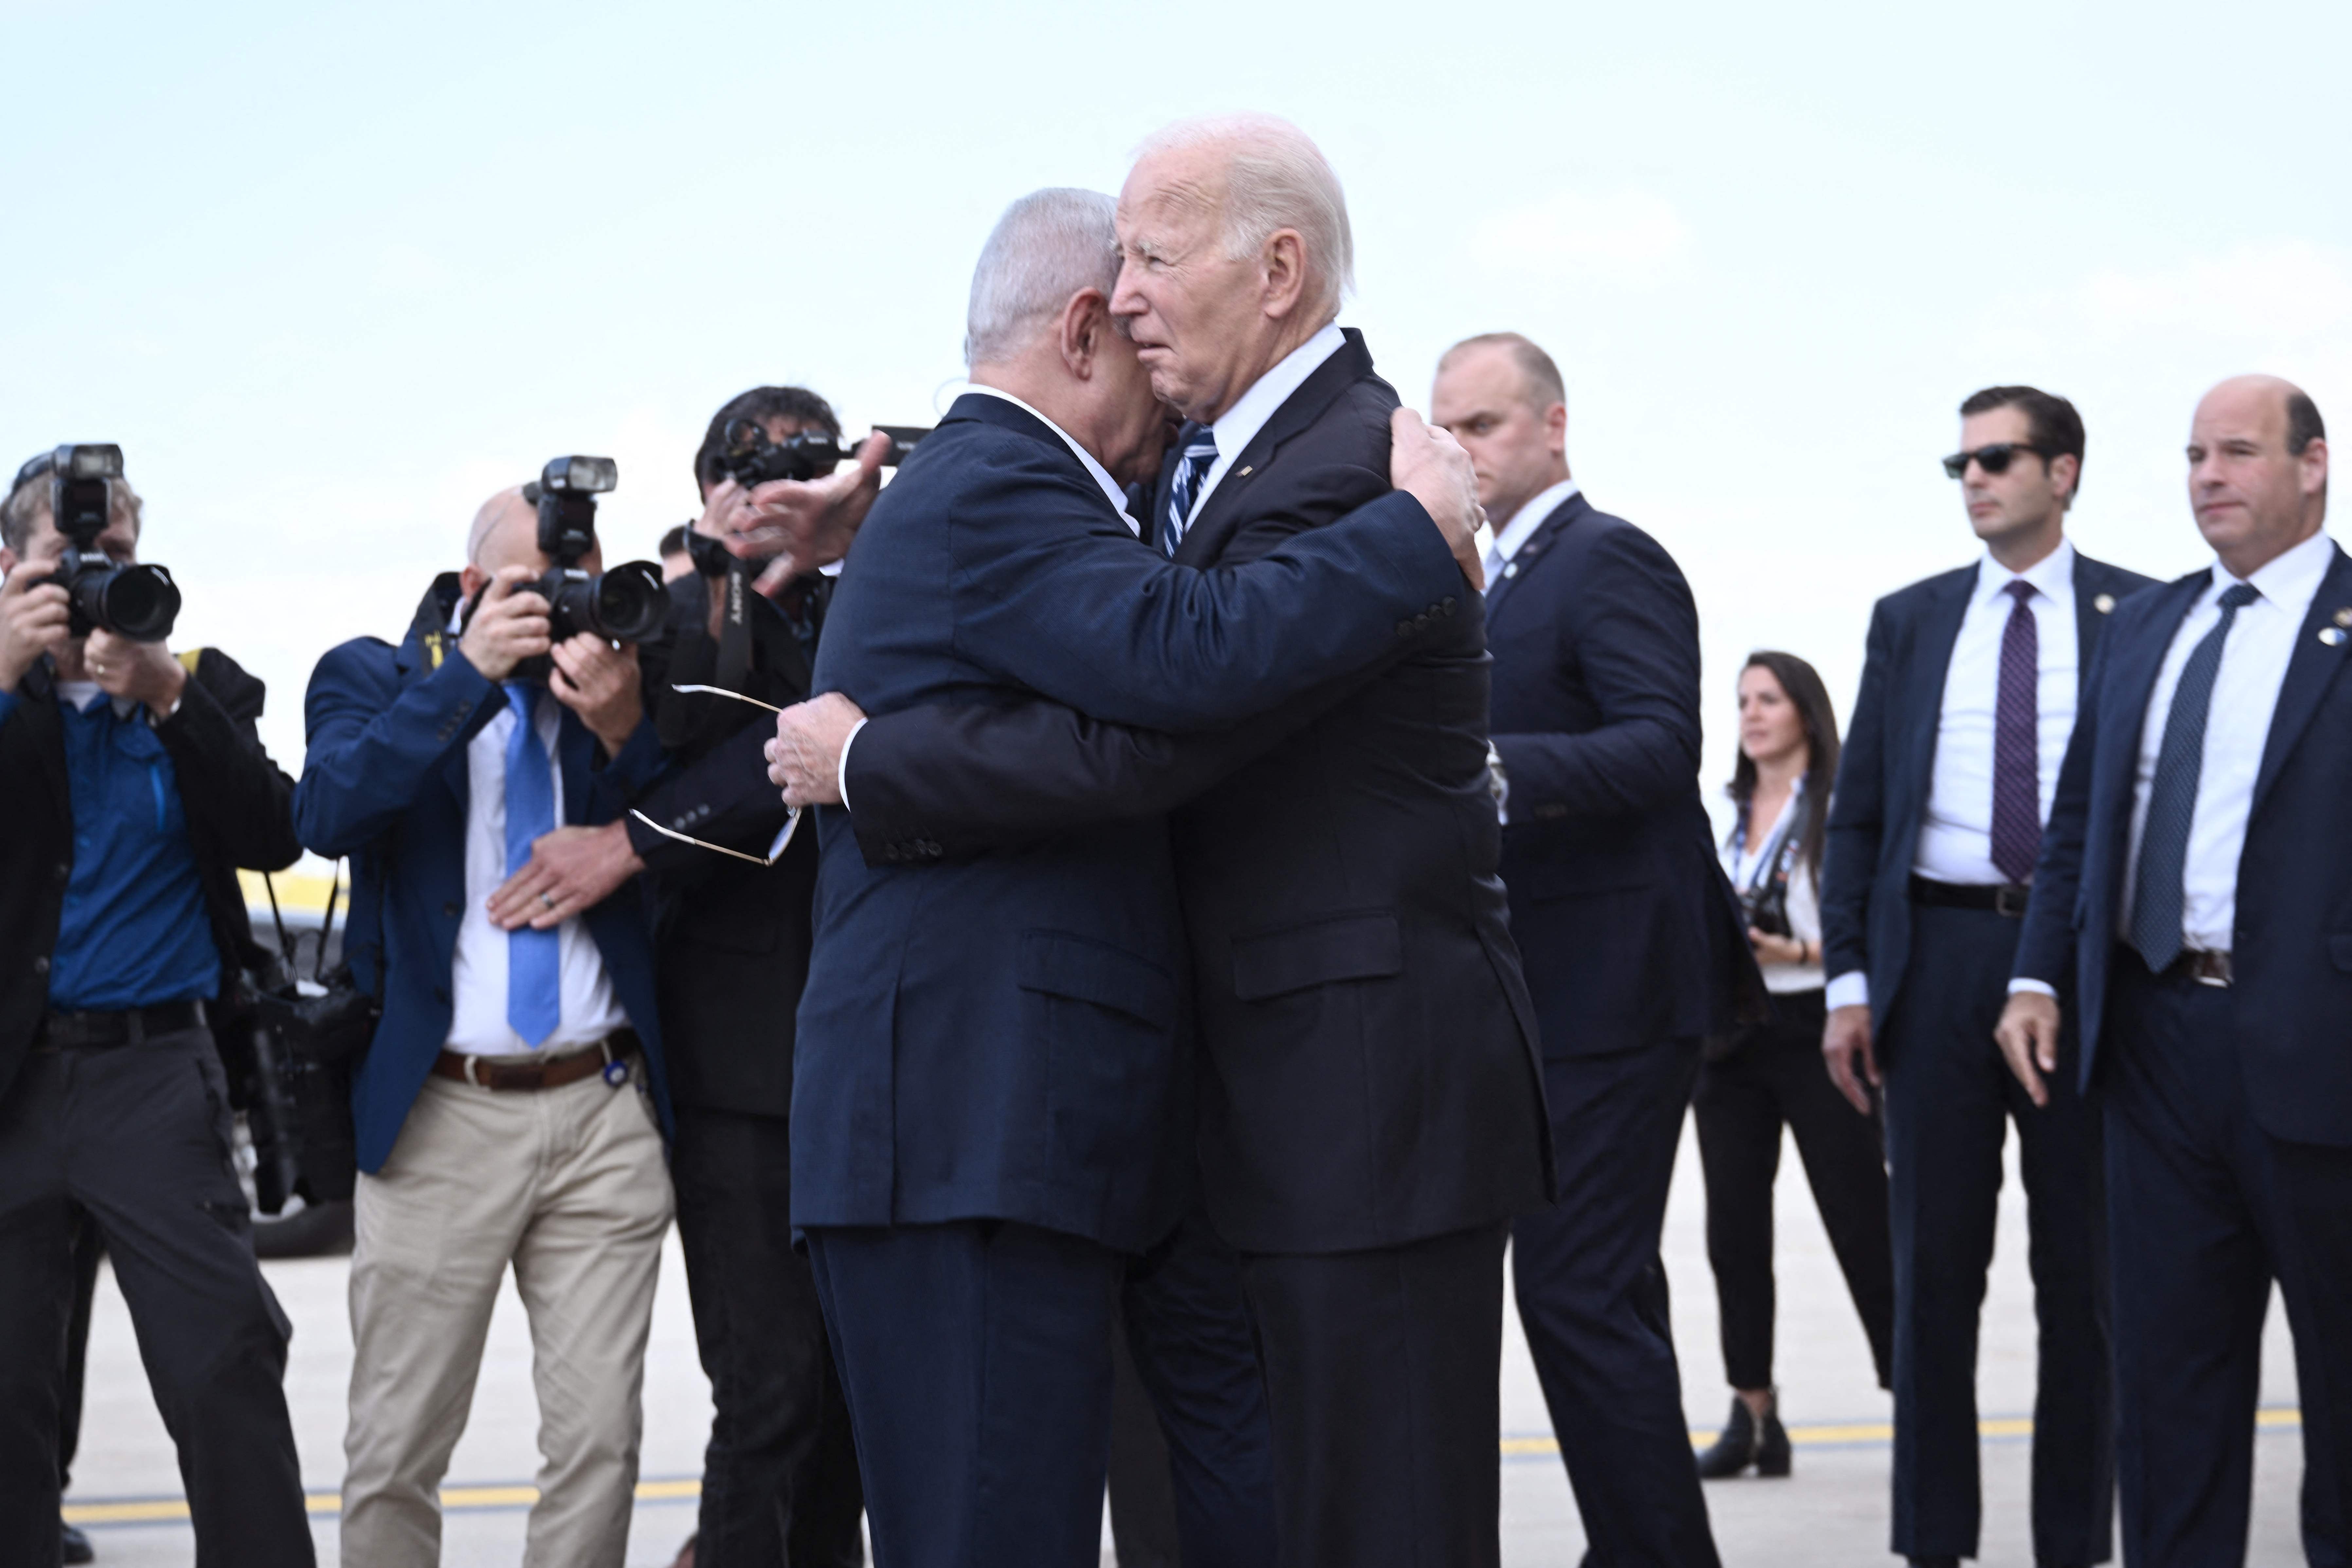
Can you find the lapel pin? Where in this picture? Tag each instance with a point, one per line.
(2331, 636)
(2103, 603)
(2343, 616)
(1245, 472)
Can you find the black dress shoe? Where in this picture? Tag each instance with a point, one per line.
(1744, 1443)
(1935, 1563)
(77, 1547)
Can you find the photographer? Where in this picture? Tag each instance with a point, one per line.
(508, 1108)
(780, 1481)
(137, 786)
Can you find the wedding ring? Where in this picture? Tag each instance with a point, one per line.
(544, 898)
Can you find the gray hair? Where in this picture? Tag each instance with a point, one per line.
(1047, 246)
(1275, 178)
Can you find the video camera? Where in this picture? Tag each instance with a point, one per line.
(136, 602)
(750, 458)
(627, 603)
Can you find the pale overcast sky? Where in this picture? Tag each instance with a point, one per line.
(332, 275)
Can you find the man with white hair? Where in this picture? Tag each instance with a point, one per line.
(992, 1095)
(1372, 1110)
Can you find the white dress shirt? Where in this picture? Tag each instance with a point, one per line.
(1754, 865)
(2238, 726)
(1511, 535)
(1956, 828)
(1239, 424)
(477, 977)
(1111, 492)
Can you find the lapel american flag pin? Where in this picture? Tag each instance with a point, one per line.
(2331, 636)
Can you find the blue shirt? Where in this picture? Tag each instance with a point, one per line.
(134, 932)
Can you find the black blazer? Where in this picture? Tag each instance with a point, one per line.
(1372, 1071)
(2292, 951)
(239, 807)
(1889, 761)
(1632, 935)
(730, 939)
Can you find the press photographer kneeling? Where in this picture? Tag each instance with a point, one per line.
(506, 1113)
(137, 785)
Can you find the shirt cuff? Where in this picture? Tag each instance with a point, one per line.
(1851, 989)
(2021, 986)
(841, 768)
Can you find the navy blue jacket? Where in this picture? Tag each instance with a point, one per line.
(1003, 1037)
(1889, 763)
(384, 784)
(2291, 950)
(1632, 934)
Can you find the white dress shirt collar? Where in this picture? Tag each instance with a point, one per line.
(1238, 426)
(1110, 488)
(1522, 524)
(2290, 580)
(2050, 575)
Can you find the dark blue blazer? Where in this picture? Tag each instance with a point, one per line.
(1889, 763)
(1003, 1037)
(2291, 950)
(384, 784)
(1632, 934)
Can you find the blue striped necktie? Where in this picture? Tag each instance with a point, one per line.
(1197, 446)
(534, 961)
(2159, 895)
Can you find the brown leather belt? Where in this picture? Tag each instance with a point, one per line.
(534, 1072)
(2205, 968)
(2006, 902)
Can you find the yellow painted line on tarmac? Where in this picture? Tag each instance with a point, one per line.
(460, 1499)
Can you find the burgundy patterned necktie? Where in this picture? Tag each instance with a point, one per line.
(2017, 742)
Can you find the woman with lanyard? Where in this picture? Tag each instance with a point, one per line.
(1770, 1074)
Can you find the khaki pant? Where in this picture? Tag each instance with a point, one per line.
(567, 1184)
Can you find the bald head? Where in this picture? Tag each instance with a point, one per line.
(505, 534)
(2257, 471)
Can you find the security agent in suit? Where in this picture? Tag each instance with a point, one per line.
(1371, 1104)
(2189, 909)
(993, 1097)
(1967, 695)
(1637, 949)
(510, 1112)
(731, 947)
(137, 786)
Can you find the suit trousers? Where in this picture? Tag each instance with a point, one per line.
(567, 1185)
(135, 1140)
(1949, 1100)
(2207, 1209)
(1383, 1372)
(1593, 1299)
(976, 1356)
(779, 1477)
(1774, 1079)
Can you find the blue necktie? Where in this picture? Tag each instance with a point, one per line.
(2158, 896)
(1197, 445)
(534, 964)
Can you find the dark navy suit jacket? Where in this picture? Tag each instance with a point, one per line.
(1372, 1069)
(1631, 934)
(2292, 951)
(384, 784)
(1003, 1037)
(1889, 763)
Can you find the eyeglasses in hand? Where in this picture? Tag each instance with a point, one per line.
(792, 812)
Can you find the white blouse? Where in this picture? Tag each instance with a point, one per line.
(1752, 867)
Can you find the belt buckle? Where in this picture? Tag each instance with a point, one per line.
(2209, 968)
(2010, 902)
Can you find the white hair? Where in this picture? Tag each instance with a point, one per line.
(1275, 178)
(1047, 246)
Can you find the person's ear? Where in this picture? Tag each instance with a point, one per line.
(2065, 469)
(1556, 429)
(7, 561)
(1284, 260)
(471, 582)
(2313, 463)
(1082, 320)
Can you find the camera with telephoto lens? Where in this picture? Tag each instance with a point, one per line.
(627, 603)
(749, 458)
(136, 602)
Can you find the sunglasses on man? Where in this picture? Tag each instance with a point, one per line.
(1992, 460)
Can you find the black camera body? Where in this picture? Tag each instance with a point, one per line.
(750, 458)
(627, 603)
(136, 602)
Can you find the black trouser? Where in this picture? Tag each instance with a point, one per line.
(1593, 1300)
(1774, 1077)
(779, 1479)
(88, 1251)
(1949, 1100)
(2207, 1209)
(1383, 1374)
(138, 1137)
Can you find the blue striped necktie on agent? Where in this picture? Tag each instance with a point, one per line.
(1196, 446)
(534, 963)
(2160, 898)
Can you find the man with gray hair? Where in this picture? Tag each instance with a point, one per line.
(1371, 1111)
(993, 1097)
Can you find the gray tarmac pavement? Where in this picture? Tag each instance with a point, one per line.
(1832, 1510)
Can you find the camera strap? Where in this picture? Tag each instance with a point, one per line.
(734, 668)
